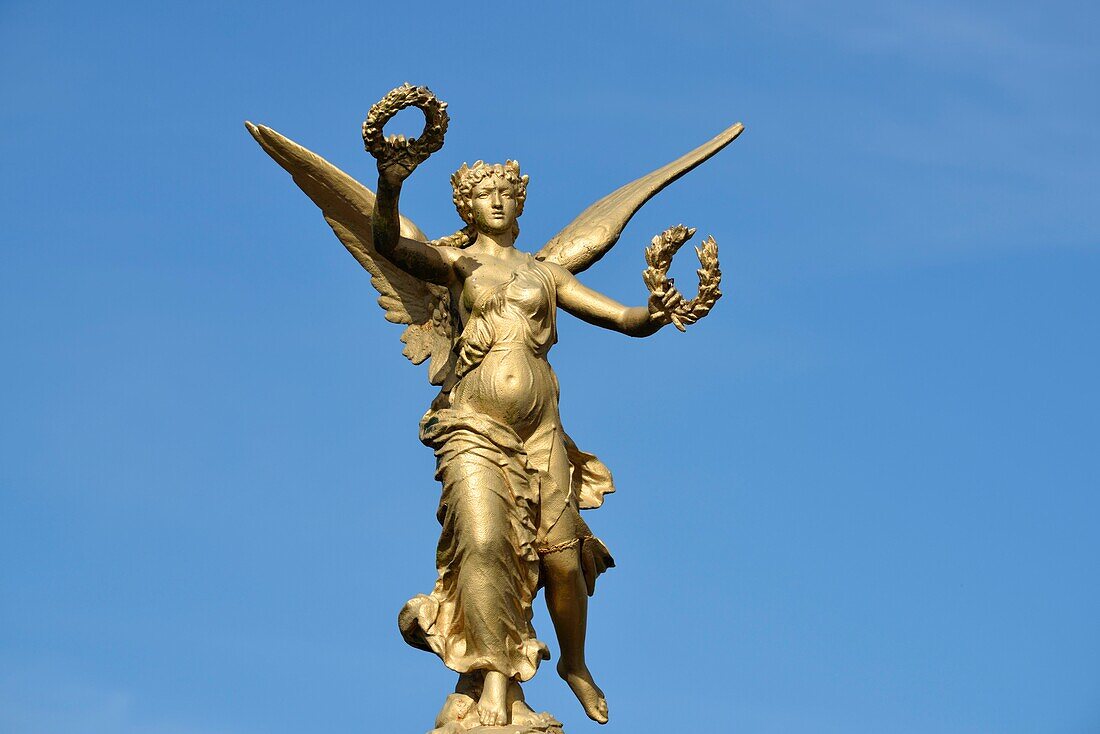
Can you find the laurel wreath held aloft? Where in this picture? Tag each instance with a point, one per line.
(658, 257)
(406, 152)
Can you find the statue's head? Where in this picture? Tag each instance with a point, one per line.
(490, 197)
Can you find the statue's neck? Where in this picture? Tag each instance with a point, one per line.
(497, 243)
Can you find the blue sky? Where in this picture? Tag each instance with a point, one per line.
(860, 497)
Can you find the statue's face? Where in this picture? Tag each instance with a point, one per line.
(493, 202)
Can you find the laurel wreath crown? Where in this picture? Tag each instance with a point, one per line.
(409, 152)
(658, 257)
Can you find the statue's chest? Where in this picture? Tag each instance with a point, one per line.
(485, 279)
(482, 283)
(521, 287)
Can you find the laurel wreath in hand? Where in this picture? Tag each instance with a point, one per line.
(658, 257)
(407, 153)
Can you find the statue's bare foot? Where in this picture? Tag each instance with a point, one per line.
(522, 714)
(586, 691)
(492, 707)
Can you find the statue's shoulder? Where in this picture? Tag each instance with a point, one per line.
(555, 271)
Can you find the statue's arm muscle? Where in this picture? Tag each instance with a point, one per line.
(596, 308)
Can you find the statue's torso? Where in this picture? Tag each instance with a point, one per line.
(509, 314)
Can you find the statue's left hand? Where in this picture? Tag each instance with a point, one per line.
(664, 300)
(665, 304)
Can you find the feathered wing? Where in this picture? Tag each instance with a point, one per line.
(588, 237)
(348, 206)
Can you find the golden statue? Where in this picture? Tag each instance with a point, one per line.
(483, 314)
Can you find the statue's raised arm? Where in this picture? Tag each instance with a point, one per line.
(397, 158)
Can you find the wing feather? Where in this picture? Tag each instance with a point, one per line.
(588, 237)
(348, 206)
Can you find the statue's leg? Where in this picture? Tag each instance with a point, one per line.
(562, 571)
(490, 585)
(486, 578)
(567, 600)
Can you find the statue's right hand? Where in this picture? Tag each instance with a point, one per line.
(394, 169)
(397, 155)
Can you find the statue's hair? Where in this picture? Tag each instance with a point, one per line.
(463, 182)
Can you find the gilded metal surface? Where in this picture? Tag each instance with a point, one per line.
(483, 314)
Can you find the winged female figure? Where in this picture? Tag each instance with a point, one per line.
(483, 314)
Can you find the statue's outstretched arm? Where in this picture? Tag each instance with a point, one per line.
(596, 308)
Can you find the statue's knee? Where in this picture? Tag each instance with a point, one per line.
(485, 543)
(562, 566)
